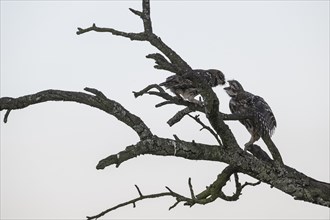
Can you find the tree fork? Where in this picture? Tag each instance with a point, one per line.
(257, 164)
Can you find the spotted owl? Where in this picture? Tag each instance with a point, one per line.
(184, 88)
(242, 102)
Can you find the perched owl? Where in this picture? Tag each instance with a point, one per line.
(183, 87)
(242, 102)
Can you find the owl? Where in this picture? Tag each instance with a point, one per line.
(242, 102)
(184, 88)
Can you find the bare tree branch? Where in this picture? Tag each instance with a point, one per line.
(258, 165)
(139, 191)
(178, 116)
(191, 107)
(179, 65)
(5, 119)
(163, 147)
(171, 99)
(162, 63)
(196, 118)
(192, 194)
(133, 201)
(211, 106)
(132, 36)
(209, 195)
(282, 177)
(98, 101)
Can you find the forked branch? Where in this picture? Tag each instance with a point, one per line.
(198, 120)
(258, 165)
(97, 100)
(176, 64)
(190, 107)
(213, 192)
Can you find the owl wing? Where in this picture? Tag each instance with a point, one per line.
(264, 115)
(207, 77)
(181, 86)
(263, 120)
(203, 75)
(177, 82)
(239, 106)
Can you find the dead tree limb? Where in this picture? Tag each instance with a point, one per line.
(257, 164)
(177, 65)
(97, 100)
(284, 178)
(210, 194)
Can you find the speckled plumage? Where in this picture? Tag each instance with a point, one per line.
(183, 87)
(242, 102)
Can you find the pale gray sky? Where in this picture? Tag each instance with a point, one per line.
(276, 49)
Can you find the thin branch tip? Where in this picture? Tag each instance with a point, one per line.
(5, 119)
(139, 191)
(136, 12)
(168, 188)
(174, 205)
(192, 194)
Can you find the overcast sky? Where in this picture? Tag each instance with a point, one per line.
(276, 49)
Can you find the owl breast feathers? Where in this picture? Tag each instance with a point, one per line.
(262, 121)
(183, 87)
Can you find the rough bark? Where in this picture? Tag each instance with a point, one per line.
(259, 166)
(256, 164)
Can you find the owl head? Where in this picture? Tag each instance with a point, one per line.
(217, 77)
(234, 88)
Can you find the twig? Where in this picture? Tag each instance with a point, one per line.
(138, 189)
(136, 12)
(251, 184)
(176, 137)
(191, 107)
(162, 63)
(174, 205)
(214, 190)
(147, 89)
(163, 103)
(196, 118)
(95, 92)
(5, 119)
(146, 35)
(132, 36)
(192, 194)
(133, 201)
